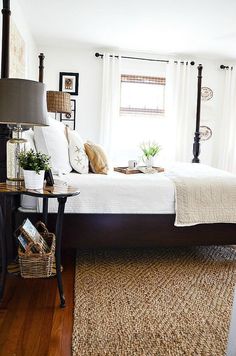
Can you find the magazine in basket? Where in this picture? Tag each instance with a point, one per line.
(29, 231)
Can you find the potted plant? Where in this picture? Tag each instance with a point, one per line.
(150, 150)
(34, 165)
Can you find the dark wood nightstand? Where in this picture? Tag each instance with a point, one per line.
(61, 194)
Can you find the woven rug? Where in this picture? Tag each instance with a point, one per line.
(153, 302)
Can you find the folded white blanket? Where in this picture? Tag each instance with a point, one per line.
(205, 200)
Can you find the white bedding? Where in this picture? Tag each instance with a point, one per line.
(205, 201)
(129, 194)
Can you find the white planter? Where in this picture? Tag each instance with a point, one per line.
(149, 162)
(34, 180)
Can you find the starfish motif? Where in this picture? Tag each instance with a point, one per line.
(77, 149)
(78, 160)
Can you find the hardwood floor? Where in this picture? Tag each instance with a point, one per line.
(31, 321)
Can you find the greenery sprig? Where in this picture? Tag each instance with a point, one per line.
(34, 161)
(150, 149)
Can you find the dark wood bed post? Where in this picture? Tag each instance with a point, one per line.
(4, 130)
(196, 144)
(41, 67)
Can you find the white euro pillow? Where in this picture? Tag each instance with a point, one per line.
(29, 136)
(51, 140)
(78, 158)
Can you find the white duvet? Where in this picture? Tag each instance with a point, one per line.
(119, 193)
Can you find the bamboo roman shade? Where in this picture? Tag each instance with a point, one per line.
(142, 94)
(58, 101)
(142, 79)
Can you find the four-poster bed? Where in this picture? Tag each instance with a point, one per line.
(127, 230)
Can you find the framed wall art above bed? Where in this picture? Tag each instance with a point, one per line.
(69, 82)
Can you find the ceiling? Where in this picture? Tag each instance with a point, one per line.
(184, 27)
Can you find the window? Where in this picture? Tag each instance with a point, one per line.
(142, 95)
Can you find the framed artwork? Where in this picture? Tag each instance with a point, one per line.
(17, 53)
(49, 178)
(69, 82)
(69, 119)
(73, 110)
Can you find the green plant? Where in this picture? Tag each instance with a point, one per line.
(34, 161)
(150, 149)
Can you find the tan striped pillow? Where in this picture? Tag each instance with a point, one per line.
(97, 158)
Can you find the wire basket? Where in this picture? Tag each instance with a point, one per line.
(38, 265)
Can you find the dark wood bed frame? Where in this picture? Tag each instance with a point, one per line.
(119, 230)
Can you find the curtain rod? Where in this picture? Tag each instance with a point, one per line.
(226, 67)
(143, 59)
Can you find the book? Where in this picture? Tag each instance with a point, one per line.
(29, 231)
(24, 243)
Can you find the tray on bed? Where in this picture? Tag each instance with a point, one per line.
(141, 169)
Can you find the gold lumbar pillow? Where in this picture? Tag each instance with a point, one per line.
(97, 158)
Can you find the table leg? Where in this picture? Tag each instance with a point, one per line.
(3, 245)
(59, 222)
(45, 211)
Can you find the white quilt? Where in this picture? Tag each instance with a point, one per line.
(118, 193)
(205, 201)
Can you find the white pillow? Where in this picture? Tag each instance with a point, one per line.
(78, 158)
(51, 140)
(29, 136)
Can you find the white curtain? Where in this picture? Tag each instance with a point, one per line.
(110, 100)
(226, 129)
(181, 97)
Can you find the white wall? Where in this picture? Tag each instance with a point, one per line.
(82, 61)
(31, 49)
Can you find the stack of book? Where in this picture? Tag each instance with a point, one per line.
(27, 234)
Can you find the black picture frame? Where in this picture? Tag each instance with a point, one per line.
(49, 178)
(70, 119)
(68, 76)
(72, 116)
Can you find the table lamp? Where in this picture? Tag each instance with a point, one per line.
(22, 103)
(58, 102)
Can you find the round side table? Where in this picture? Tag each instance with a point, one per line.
(55, 192)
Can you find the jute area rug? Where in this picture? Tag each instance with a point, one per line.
(153, 302)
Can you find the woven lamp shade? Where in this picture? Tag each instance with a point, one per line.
(58, 101)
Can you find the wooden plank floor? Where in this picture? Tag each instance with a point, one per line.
(31, 321)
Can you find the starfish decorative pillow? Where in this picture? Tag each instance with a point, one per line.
(78, 158)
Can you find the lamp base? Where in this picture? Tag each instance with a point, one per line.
(14, 146)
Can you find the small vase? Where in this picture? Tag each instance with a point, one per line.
(33, 180)
(149, 162)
